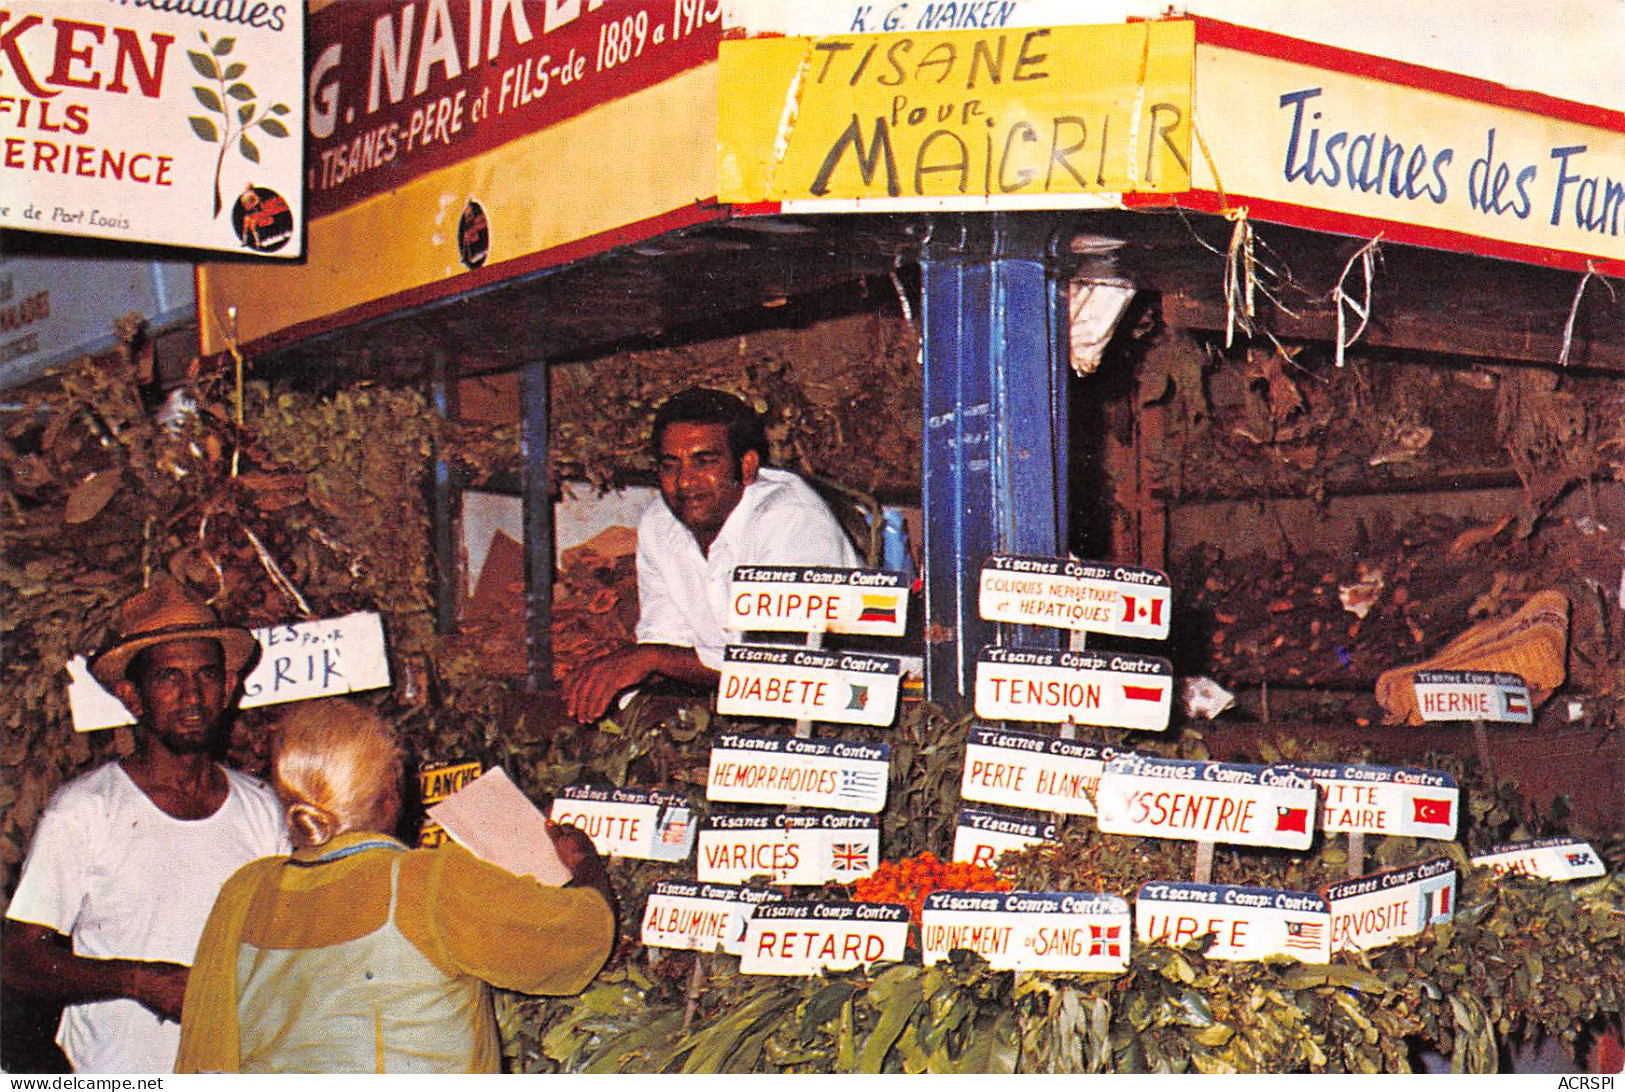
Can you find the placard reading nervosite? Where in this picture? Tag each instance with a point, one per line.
(1370, 911)
(1246, 922)
(982, 835)
(1115, 690)
(1400, 800)
(818, 599)
(1120, 599)
(1548, 858)
(1029, 931)
(643, 823)
(1207, 801)
(136, 123)
(788, 849)
(808, 684)
(1025, 770)
(701, 917)
(1474, 695)
(798, 937)
(817, 773)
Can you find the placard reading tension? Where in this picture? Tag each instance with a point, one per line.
(1117, 690)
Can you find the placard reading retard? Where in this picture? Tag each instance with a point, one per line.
(1120, 599)
(643, 823)
(1247, 923)
(827, 847)
(801, 938)
(1207, 801)
(818, 599)
(1029, 931)
(1115, 690)
(815, 773)
(701, 917)
(808, 684)
(1474, 695)
(1371, 911)
(1399, 800)
(982, 835)
(1548, 858)
(1039, 773)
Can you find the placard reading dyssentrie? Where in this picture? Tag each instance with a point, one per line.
(1039, 773)
(1370, 911)
(825, 847)
(817, 599)
(1120, 599)
(1117, 689)
(815, 773)
(701, 917)
(800, 938)
(1473, 695)
(982, 835)
(1399, 800)
(643, 823)
(1246, 922)
(808, 684)
(1206, 801)
(1548, 858)
(1029, 931)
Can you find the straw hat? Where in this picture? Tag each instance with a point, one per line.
(168, 612)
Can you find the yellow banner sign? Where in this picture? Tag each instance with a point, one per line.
(1013, 115)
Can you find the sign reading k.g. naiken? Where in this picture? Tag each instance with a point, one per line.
(1370, 911)
(1399, 800)
(816, 773)
(1473, 695)
(786, 848)
(1116, 689)
(1025, 770)
(803, 938)
(643, 823)
(818, 600)
(701, 917)
(808, 684)
(1246, 922)
(1206, 801)
(1029, 931)
(1548, 858)
(982, 835)
(1082, 595)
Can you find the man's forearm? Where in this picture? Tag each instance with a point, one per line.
(39, 961)
(679, 663)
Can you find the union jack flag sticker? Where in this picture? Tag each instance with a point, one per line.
(850, 856)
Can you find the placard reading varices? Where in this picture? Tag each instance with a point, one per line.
(1206, 801)
(1246, 922)
(1114, 690)
(130, 122)
(701, 917)
(1029, 931)
(1083, 595)
(807, 684)
(818, 600)
(643, 823)
(1473, 695)
(817, 773)
(788, 849)
(1039, 773)
(800, 938)
(1385, 799)
(1370, 911)
(1548, 858)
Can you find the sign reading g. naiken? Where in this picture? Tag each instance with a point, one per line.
(803, 938)
(1207, 801)
(1548, 858)
(1247, 923)
(1029, 931)
(815, 848)
(1399, 800)
(1115, 690)
(701, 917)
(982, 836)
(818, 600)
(1370, 911)
(817, 773)
(1120, 599)
(1473, 695)
(642, 823)
(808, 684)
(1025, 770)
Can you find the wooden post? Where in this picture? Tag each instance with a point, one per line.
(1204, 863)
(1356, 865)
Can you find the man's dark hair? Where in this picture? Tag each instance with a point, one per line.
(703, 406)
(140, 665)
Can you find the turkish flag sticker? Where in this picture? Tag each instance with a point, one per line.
(1428, 810)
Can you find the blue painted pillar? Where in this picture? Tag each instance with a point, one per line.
(536, 486)
(994, 467)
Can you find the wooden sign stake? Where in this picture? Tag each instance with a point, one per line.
(1203, 872)
(815, 640)
(696, 987)
(1481, 740)
(1356, 865)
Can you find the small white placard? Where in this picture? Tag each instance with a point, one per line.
(815, 773)
(1371, 911)
(1473, 695)
(1548, 858)
(647, 824)
(700, 917)
(982, 836)
(1116, 689)
(818, 600)
(1400, 800)
(1038, 773)
(827, 847)
(808, 684)
(1081, 595)
(803, 938)
(1029, 931)
(1225, 802)
(1247, 923)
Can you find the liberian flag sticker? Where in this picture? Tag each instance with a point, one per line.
(1207, 801)
(818, 599)
(1371, 911)
(1473, 695)
(808, 684)
(1247, 923)
(701, 917)
(1079, 595)
(1029, 931)
(1401, 800)
(1109, 690)
(1548, 858)
(810, 848)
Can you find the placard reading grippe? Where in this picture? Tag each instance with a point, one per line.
(818, 599)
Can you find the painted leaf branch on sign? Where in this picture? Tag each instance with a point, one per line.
(239, 116)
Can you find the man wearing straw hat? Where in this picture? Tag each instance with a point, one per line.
(128, 859)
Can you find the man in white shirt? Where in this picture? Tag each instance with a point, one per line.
(719, 507)
(127, 859)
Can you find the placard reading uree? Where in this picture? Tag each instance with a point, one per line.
(1039, 773)
(647, 824)
(818, 599)
(982, 835)
(701, 917)
(1037, 591)
(1117, 690)
(787, 848)
(1370, 911)
(1473, 695)
(803, 938)
(808, 684)
(1548, 858)
(1399, 800)
(1207, 801)
(816, 773)
(1029, 931)
(1246, 922)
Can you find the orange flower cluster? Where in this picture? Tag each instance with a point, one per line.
(911, 879)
